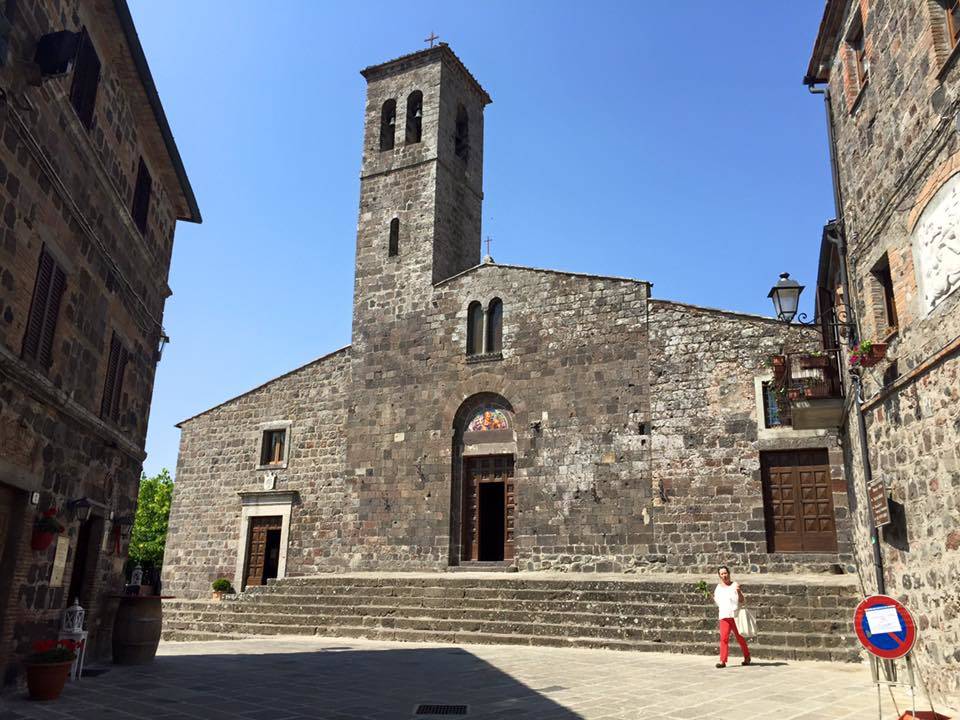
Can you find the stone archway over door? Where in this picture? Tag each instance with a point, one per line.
(483, 492)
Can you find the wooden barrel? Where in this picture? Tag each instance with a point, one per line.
(136, 629)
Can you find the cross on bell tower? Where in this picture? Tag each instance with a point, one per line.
(432, 38)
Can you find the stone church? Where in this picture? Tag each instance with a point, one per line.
(488, 415)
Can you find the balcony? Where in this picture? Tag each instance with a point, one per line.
(809, 386)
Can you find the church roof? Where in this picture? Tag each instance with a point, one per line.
(542, 270)
(441, 51)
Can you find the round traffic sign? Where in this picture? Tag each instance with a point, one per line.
(884, 627)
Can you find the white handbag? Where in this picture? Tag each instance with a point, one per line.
(746, 623)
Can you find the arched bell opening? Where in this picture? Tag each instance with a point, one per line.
(483, 493)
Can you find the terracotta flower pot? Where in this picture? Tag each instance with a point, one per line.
(46, 680)
(41, 540)
(794, 394)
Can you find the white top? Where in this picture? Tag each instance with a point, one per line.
(727, 599)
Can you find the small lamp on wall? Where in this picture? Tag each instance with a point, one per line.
(80, 507)
(73, 618)
(786, 297)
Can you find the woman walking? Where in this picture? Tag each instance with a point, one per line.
(728, 598)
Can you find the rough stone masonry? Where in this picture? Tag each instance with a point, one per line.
(489, 414)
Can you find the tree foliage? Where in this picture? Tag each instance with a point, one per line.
(149, 534)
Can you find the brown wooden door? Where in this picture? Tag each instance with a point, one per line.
(798, 501)
(480, 471)
(260, 527)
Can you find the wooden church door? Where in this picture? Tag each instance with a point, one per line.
(489, 507)
(261, 529)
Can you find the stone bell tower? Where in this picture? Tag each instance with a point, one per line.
(420, 186)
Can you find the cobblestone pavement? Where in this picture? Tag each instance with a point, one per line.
(335, 679)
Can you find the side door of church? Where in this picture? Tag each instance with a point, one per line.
(798, 501)
(258, 546)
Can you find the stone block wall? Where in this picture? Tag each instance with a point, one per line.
(706, 447)
(68, 189)
(219, 459)
(898, 154)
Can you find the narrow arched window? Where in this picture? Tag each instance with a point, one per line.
(414, 117)
(394, 247)
(495, 326)
(461, 144)
(474, 328)
(388, 122)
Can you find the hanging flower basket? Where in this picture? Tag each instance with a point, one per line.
(867, 354)
(45, 530)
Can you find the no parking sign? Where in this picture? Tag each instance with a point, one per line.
(884, 627)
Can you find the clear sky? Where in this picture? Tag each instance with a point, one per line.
(664, 141)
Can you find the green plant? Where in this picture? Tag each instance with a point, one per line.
(48, 523)
(48, 652)
(222, 585)
(703, 588)
(149, 534)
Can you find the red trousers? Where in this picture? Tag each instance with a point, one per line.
(726, 625)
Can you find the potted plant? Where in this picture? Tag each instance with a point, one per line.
(794, 393)
(221, 587)
(45, 529)
(867, 354)
(48, 668)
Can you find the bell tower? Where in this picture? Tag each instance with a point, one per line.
(420, 186)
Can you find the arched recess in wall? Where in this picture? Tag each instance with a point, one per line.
(388, 123)
(474, 328)
(494, 340)
(461, 143)
(414, 126)
(483, 491)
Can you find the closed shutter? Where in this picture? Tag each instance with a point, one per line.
(113, 385)
(44, 311)
(38, 306)
(57, 286)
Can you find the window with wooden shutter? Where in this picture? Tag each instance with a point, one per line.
(952, 10)
(272, 449)
(44, 311)
(86, 78)
(141, 197)
(113, 386)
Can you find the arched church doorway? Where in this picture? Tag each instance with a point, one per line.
(484, 488)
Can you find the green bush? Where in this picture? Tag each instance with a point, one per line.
(222, 585)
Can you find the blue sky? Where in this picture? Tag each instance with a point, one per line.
(663, 141)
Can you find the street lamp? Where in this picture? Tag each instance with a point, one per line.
(786, 297)
(81, 508)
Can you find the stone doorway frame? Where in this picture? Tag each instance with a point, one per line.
(468, 444)
(264, 503)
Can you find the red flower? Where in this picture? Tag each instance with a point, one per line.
(69, 644)
(52, 512)
(42, 646)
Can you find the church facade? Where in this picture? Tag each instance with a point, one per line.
(495, 415)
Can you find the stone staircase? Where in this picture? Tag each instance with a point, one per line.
(806, 618)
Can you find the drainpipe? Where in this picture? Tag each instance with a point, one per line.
(838, 238)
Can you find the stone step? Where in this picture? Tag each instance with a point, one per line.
(238, 622)
(508, 594)
(648, 618)
(760, 650)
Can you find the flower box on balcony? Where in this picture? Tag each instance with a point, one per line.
(810, 362)
(794, 393)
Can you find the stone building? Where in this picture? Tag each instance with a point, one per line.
(892, 82)
(487, 414)
(91, 187)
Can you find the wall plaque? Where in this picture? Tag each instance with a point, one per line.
(59, 561)
(879, 507)
(936, 245)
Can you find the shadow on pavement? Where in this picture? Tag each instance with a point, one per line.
(327, 684)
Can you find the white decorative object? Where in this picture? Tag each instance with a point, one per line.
(269, 481)
(936, 245)
(73, 616)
